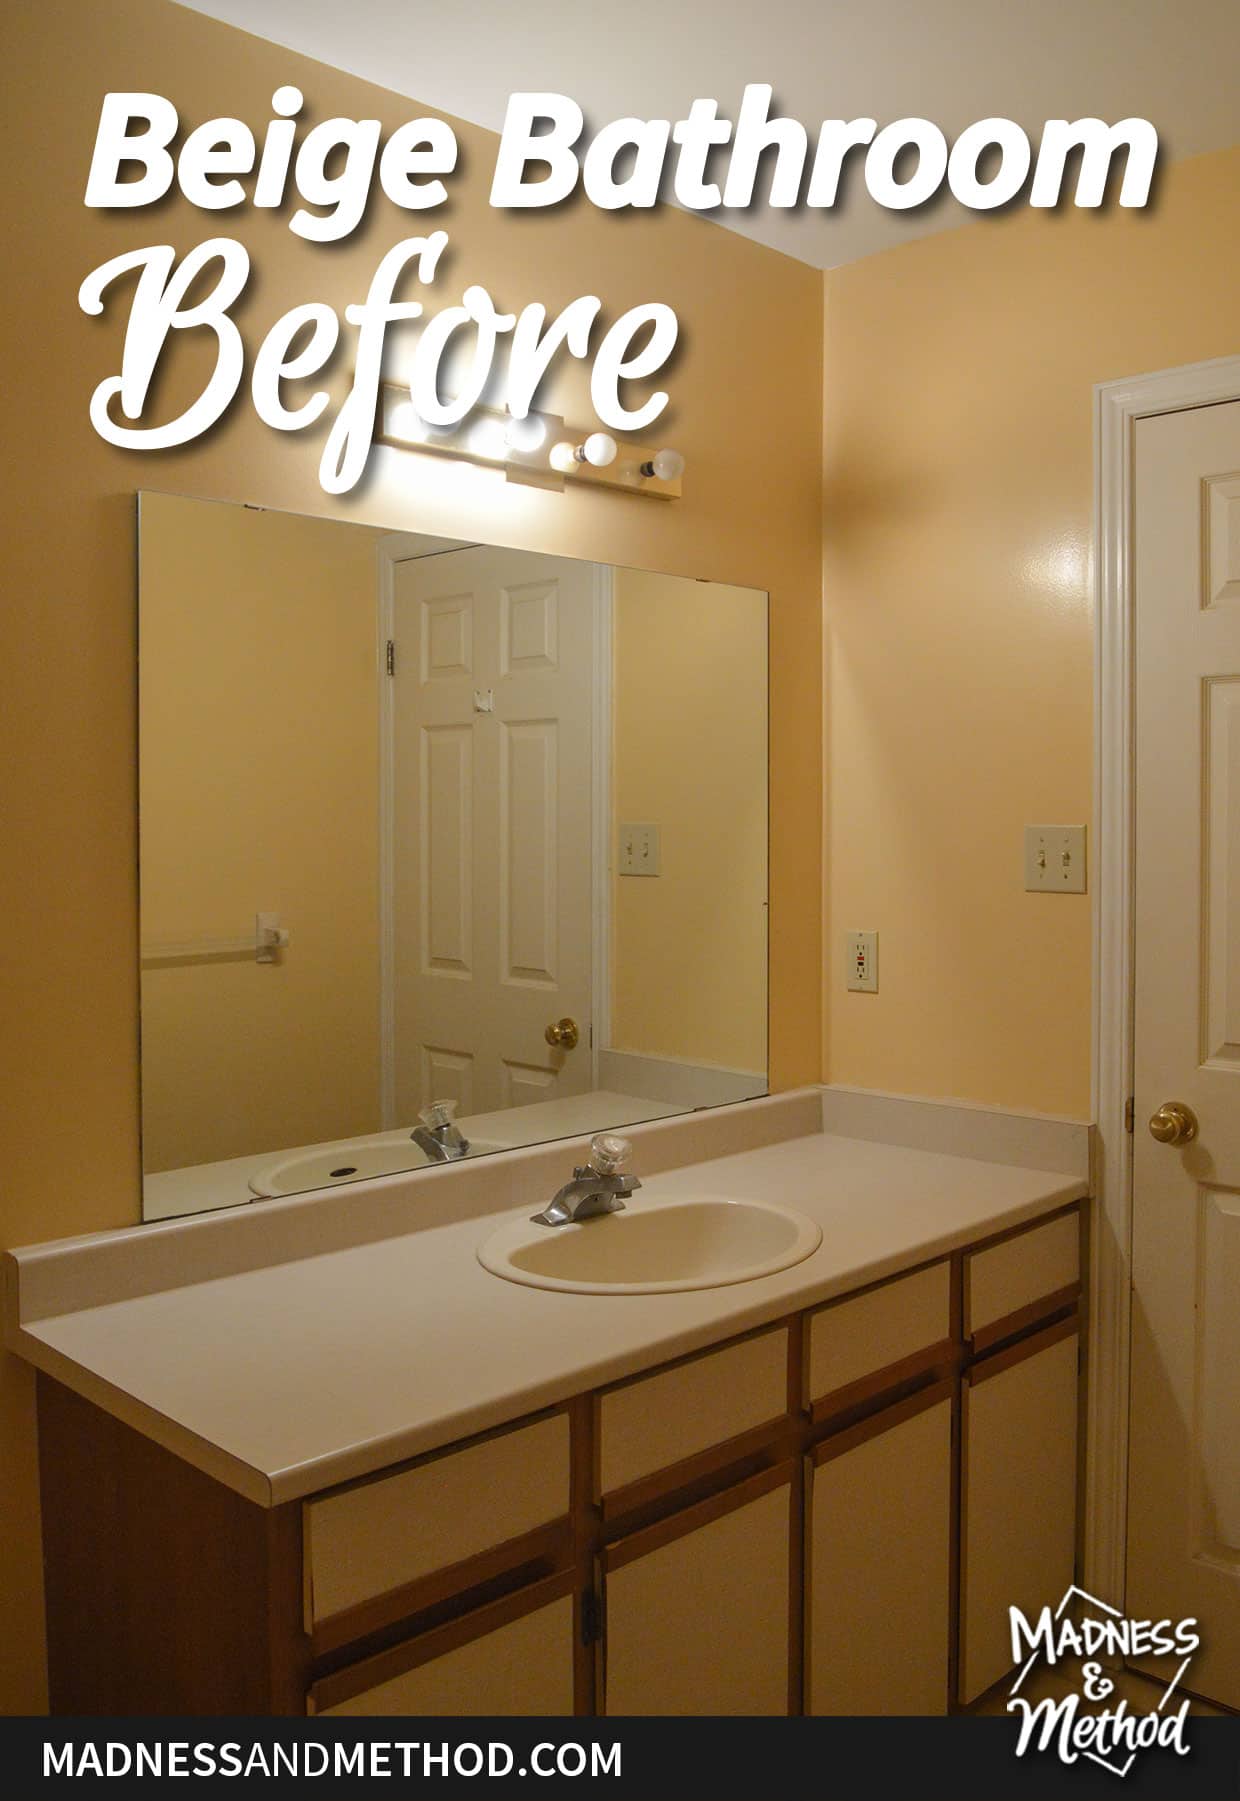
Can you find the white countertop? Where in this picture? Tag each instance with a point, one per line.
(303, 1372)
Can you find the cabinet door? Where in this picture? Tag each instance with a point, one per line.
(1018, 1527)
(513, 1658)
(878, 1564)
(697, 1607)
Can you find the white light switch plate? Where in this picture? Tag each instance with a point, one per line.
(861, 962)
(1055, 859)
(639, 850)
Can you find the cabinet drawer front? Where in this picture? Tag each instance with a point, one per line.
(1021, 1271)
(856, 1339)
(525, 1667)
(878, 1610)
(367, 1541)
(660, 1420)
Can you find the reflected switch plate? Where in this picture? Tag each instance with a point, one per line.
(639, 850)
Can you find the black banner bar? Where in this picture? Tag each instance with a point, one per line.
(631, 1760)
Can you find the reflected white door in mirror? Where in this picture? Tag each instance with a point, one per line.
(489, 828)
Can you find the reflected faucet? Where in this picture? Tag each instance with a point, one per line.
(597, 1186)
(439, 1135)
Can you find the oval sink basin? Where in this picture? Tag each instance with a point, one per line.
(332, 1163)
(656, 1248)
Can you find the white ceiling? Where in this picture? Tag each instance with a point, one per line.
(953, 61)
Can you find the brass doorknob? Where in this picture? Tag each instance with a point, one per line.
(1173, 1123)
(563, 1034)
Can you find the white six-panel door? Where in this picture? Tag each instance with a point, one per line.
(491, 797)
(1184, 1489)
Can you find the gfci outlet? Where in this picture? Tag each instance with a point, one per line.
(1055, 859)
(861, 965)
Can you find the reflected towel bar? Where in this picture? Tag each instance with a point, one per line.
(268, 940)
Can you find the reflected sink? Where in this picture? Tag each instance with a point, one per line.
(332, 1163)
(654, 1247)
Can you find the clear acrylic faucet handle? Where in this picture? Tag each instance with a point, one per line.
(438, 1113)
(609, 1153)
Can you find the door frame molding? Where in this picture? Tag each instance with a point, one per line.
(1118, 406)
(399, 547)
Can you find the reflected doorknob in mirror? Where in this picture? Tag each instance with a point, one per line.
(1174, 1123)
(563, 1034)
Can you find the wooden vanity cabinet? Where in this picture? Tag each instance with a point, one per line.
(829, 1514)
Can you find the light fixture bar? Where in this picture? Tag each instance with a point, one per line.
(540, 449)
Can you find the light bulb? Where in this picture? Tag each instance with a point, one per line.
(598, 450)
(525, 434)
(404, 422)
(563, 457)
(665, 464)
(486, 439)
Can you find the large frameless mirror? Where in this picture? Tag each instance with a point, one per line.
(445, 848)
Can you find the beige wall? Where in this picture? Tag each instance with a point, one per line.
(746, 391)
(958, 493)
(258, 790)
(689, 728)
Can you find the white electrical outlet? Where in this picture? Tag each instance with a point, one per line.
(1055, 859)
(861, 962)
(639, 850)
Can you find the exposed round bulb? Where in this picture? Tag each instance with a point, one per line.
(486, 439)
(403, 422)
(599, 449)
(525, 434)
(563, 457)
(667, 464)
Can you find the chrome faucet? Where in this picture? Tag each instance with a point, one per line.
(597, 1186)
(439, 1135)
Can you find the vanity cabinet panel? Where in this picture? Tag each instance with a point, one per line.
(380, 1536)
(519, 1666)
(703, 1402)
(885, 1333)
(1019, 1476)
(698, 1609)
(1010, 1284)
(878, 1563)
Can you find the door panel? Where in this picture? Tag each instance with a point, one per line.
(529, 851)
(492, 753)
(1184, 1488)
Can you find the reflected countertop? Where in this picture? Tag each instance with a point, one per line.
(204, 1187)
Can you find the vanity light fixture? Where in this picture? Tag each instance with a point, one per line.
(486, 436)
(519, 447)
